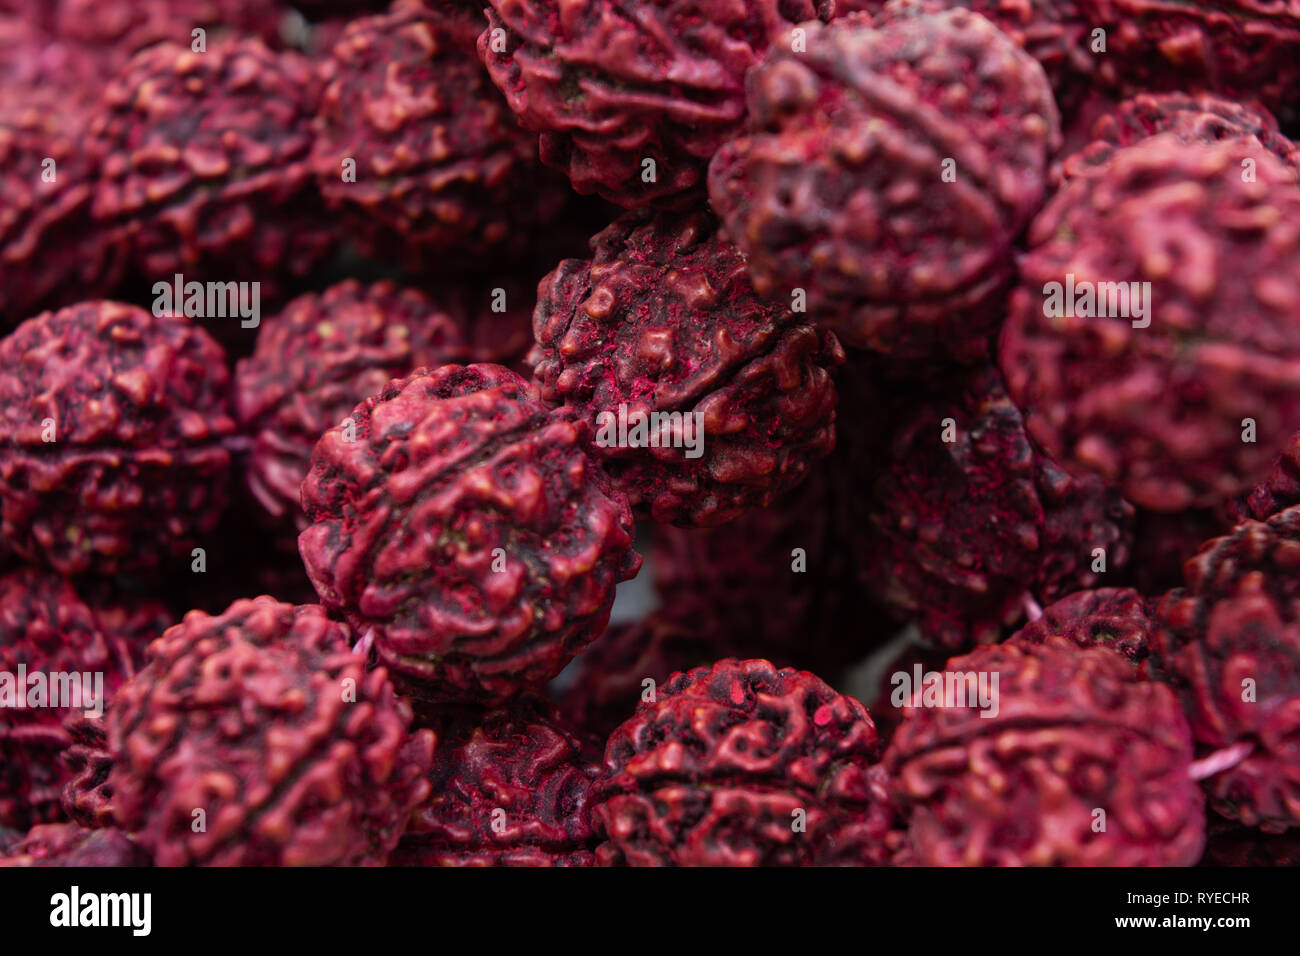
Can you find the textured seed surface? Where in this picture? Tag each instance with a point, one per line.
(316, 360)
(663, 319)
(468, 528)
(1242, 48)
(1075, 733)
(718, 767)
(263, 723)
(111, 454)
(1161, 409)
(886, 173)
(1230, 643)
(1118, 618)
(508, 787)
(206, 162)
(612, 85)
(48, 629)
(968, 517)
(1201, 118)
(441, 163)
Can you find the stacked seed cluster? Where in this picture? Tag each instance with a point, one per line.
(943, 354)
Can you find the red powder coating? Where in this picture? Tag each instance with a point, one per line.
(663, 319)
(886, 174)
(87, 797)
(1194, 118)
(468, 528)
(264, 719)
(611, 84)
(50, 252)
(111, 454)
(317, 359)
(112, 33)
(206, 162)
(1075, 732)
(1243, 48)
(510, 787)
(1229, 642)
(1159, 409)
(441, 165)
(741, 764)
(1118, 618)
(48, 629)
(962, 531)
